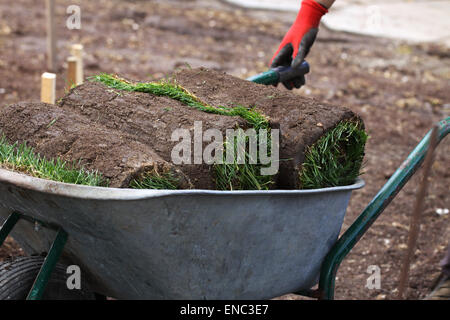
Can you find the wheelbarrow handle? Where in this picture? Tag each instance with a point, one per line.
(352, 235)
(280, 74)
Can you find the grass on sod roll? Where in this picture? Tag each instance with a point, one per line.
(236, 176)
(336, 158)
(177, 92)
(21, 158)
(164, 181)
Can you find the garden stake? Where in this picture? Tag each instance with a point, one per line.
(51, 39)
(77, 51)
(72, 65)
(48, 87)
(414, 227)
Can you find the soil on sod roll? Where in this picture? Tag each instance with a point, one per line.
(125, 134)
(54, 133)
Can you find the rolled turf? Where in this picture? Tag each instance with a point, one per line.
(45, 141)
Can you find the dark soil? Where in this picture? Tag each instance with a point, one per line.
(398, 88)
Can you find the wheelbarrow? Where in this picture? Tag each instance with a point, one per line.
(187, 244)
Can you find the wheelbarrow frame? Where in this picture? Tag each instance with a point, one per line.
(333, 259)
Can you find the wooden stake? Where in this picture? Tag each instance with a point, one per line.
(414, 227)
(48, 87)
(72, 63)
(51, 38)
(77, 51)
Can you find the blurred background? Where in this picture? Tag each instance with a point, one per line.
(414, 20)
(389, 61)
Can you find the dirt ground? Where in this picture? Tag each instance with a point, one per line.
(399, 89)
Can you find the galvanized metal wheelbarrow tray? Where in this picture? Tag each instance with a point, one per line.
(192, 244)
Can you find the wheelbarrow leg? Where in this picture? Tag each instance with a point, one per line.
(7, 226)
(48, 266)
(56, 249)
(352, 235)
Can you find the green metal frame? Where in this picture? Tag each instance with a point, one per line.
(352, 235)
(53, 255)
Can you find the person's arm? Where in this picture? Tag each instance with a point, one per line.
(300, 37)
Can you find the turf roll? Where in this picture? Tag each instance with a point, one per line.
(128, 131)
(45, 141)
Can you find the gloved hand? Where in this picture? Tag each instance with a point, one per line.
(299, 39)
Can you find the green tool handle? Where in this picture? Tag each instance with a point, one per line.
(352, 235)
(280, 74)
(267, 78)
